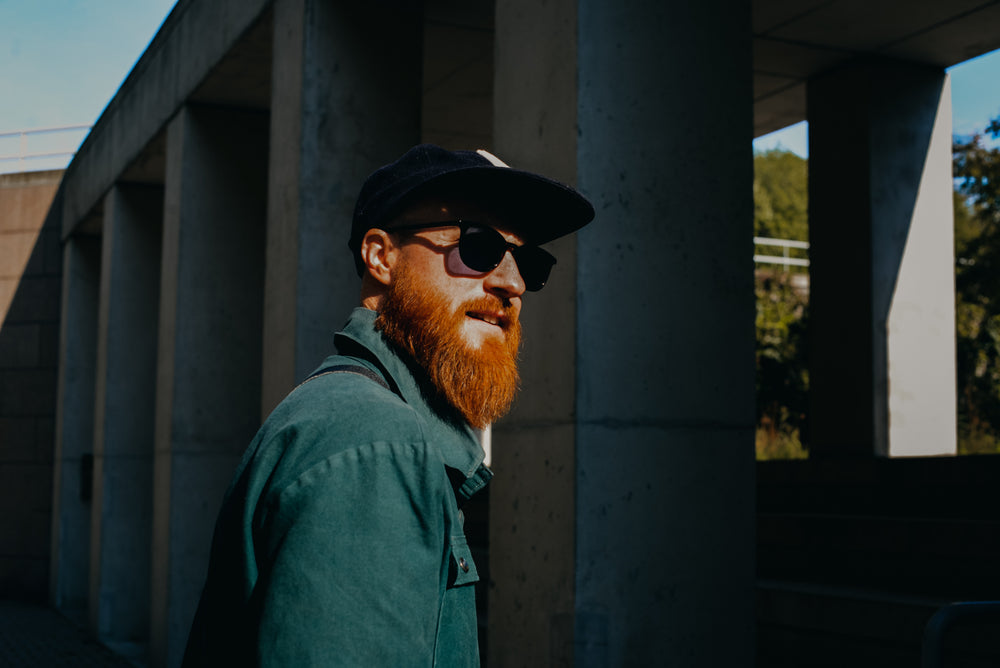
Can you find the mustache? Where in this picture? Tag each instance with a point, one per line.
(492, 305)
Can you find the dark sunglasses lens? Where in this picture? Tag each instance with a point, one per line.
(481, 248)
(535, 265)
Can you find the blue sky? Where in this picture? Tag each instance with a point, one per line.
(62, 60)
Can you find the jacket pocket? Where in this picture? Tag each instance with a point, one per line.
(462, 569)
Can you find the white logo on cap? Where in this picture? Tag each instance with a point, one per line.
(497, 162)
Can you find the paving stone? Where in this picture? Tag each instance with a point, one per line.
(34, 635)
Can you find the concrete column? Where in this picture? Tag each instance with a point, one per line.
(72, 490)
(123, 415)
(457, 105)
(661, 311)
(882, 293)
(532, 512)
(345, 99)
(208, 374)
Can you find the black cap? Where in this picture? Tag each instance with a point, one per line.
(545, 209)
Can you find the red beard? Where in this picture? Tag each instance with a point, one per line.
(480, 383)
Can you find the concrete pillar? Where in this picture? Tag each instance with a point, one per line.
(72, 488)
(457, 101)
(123, 415)
(345, 99)
(532, 512)
(208, 374)
(882, 292)
(645, 473)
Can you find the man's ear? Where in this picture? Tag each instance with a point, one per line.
(379, 254)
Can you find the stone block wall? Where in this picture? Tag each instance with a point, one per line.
(30, 276)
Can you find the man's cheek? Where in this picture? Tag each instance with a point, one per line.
(453, 263)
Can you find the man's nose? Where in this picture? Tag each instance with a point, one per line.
(506, 278)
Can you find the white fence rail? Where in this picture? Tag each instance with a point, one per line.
(785, 258)
(40, 148)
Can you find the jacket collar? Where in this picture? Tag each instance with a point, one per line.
(455, 438)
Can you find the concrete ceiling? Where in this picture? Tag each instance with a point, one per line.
(798, 39)
(793, 40)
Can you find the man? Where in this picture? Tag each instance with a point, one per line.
(340, 541)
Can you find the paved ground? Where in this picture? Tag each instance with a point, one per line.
(38, 637)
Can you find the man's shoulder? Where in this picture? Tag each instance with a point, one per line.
(327, 418)
(348, 401)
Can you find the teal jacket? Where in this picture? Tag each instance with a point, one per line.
(340, 540)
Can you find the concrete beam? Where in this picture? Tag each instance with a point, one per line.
(193, 39)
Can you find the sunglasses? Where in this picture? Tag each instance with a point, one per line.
(482, 249)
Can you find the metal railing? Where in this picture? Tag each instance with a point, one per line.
(932, 653)
(785, 259)
(20, 149)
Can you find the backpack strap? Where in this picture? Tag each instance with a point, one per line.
(348, 368)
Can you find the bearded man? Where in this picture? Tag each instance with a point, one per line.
(340, 541)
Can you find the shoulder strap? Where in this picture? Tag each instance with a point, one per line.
(348, 368)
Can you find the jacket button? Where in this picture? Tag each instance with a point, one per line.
(463, 565)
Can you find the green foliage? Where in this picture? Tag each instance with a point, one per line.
(780, 194)
(977, 285)
(779, 444)
(781, 212)
(782, 374)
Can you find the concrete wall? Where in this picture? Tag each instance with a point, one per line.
(30, 271)
(856, 554)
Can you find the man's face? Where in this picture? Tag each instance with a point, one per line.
(461, 325)
(432, 256)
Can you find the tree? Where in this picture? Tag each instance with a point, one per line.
(780, 190)
(780, 193)
(977, 285)
(782, 374)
